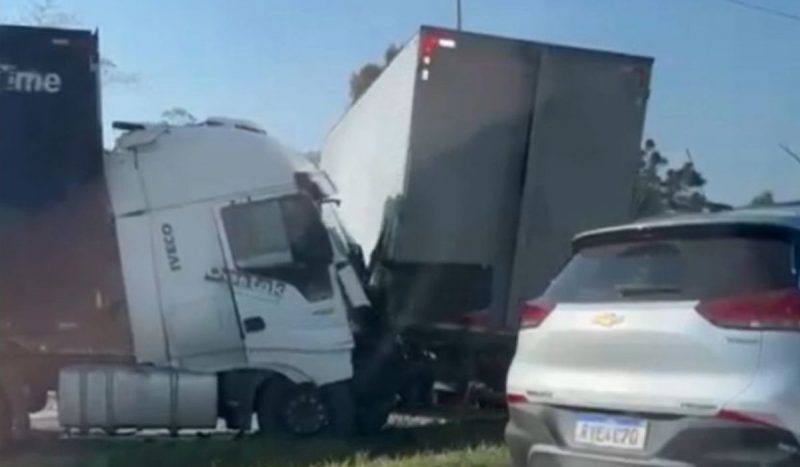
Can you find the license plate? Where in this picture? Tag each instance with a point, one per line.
(611, 432)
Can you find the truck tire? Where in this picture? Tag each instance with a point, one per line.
(305, 409)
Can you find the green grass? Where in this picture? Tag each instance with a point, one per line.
(478, 456)
(475, 443)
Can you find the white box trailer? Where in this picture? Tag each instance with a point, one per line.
(469, 164)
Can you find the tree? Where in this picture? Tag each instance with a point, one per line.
(765, 198)
(648, 199)
(362, 79)
(48, 13)
(178, 116)
(661, 189)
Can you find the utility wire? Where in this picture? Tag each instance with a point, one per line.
(765, 9)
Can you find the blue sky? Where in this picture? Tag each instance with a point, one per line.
(726, 83)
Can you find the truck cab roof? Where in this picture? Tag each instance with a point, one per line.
(156, 165)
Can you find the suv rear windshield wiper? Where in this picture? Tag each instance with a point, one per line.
(632, 290)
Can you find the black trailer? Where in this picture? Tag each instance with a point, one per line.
(61, 293)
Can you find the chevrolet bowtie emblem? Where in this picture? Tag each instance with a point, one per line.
(607, 319)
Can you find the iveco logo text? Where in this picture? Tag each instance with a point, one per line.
(171, 247)
(13, 79)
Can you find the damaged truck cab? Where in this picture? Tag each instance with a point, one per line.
(225, 259)
(184, 276)
(235, 296)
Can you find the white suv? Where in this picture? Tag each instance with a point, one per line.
(672, 342)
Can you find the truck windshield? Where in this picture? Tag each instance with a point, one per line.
(283, 239)
(276, 232)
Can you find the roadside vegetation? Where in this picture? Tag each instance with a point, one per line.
(472, 443)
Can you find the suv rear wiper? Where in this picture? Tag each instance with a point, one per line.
(632, 290)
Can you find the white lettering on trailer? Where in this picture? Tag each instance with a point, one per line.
(13, 79)
(447, 43)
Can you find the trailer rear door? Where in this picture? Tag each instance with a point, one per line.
(469, 132)
(574, 183)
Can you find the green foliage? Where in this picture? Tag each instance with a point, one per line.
(362, 79)
(765, 198)
(479, 456)
(178, 116)
(50, 14)
(660, 188)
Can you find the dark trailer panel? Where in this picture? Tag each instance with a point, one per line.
(60, 284)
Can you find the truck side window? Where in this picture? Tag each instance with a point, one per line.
(282, 239)
(257, 235)
(308, 238)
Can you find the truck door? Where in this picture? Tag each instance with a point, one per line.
(279, 266)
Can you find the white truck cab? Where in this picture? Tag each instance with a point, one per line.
(231, 282)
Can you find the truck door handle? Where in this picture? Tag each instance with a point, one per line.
(254, 324)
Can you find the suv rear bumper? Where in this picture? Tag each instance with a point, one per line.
(541, 436)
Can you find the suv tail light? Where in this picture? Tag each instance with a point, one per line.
(515, 398)
(533, 312)
(777, 310)
(745, 417)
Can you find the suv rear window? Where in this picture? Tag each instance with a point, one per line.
(675, 267)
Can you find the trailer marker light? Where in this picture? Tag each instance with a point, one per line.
(447, 43)
(427, 44)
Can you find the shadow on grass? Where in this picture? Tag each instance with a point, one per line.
(256, 451)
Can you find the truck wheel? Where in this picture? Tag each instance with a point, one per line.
(305, 410)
